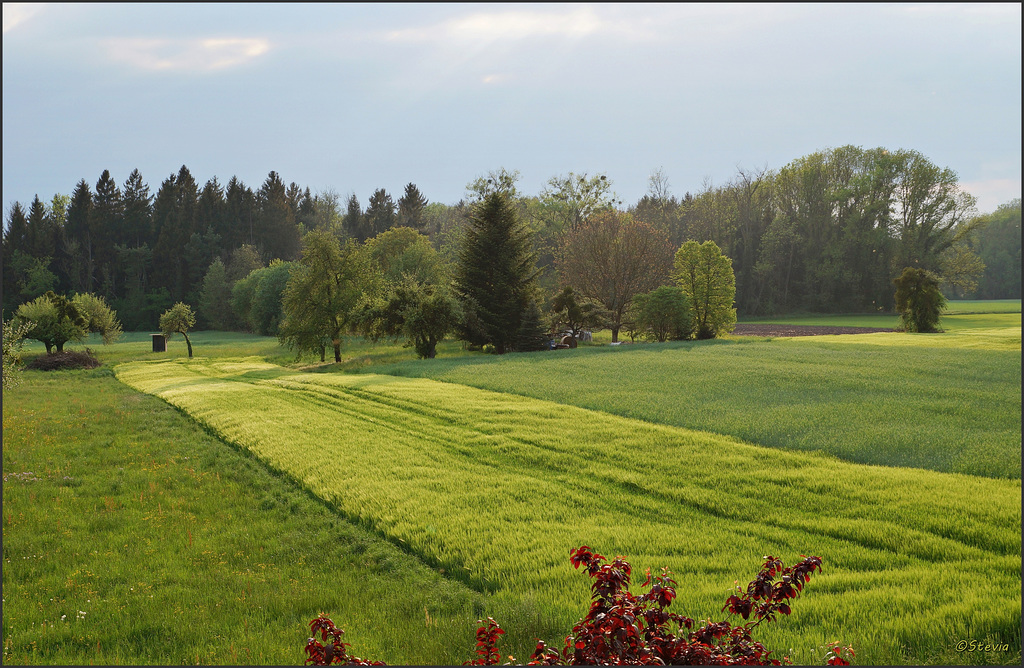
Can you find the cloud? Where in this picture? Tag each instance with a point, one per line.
(19, 12)
(511, 26)
(201, 55)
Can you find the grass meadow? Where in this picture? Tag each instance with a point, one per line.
(202, 511)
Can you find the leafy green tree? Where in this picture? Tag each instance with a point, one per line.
(410, 208)
(663, 314)
(611, 258)
(242, 292)
(961, 268)
(706, 277)
(496, 181)
(32, 275)
(577, 197)
(98, 316)
(998, 244)
(243, 261)
(496, 270)
(918, 300)
(178, 319)
(321, 295)
(402, 251)
(266, 309)
(422, 313)
(13, 336)
(54, 320)
(215, 298)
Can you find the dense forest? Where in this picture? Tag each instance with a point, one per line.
(826, 233)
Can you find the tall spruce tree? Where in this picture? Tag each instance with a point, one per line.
(80, 246)
(137, 211)
(410, 208)
(277, 233)
(354, 218)
(107, 230)
(496, 272)
(239, 215)
(380, 213)
(15, 233)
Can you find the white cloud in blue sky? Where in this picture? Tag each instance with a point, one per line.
(356, 97)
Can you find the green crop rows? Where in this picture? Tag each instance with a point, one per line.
(945, 402)
(495, 488)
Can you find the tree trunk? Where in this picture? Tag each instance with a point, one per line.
(615, 334)
(337, 350)
(189, 344)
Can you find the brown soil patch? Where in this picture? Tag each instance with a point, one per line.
(757, 329)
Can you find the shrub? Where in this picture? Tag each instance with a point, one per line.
(68, 359)
(918, 300)
(99, 316)
(663, 314)
(626, 628)
(13, 338)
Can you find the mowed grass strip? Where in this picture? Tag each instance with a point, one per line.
(945, 402)
(133, 536)
(495, 489)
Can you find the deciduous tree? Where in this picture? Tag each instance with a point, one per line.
(613, 257)
(706, 277)
(54, 320)
(321, 294)
(179, 318)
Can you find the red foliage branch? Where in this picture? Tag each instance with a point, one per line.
(636, 629)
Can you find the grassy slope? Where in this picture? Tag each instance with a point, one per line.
(945, 402)
(180, 549)
(496, 487)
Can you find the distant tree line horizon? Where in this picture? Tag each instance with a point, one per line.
(828, 232)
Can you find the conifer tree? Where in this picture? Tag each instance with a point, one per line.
(137, 211)
(14, 236)
(354, 218)
(277, 233)
(380, 214)
(410, 208)
(496, 272)
(239, 215)
(39, 241)
(81, 260)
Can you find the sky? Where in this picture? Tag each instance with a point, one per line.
(354, 97)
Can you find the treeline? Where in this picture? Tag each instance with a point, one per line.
(828, 232)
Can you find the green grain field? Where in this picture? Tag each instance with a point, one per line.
(945, 402)
(494, 488)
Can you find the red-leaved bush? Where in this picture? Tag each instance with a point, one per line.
(626, 628)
